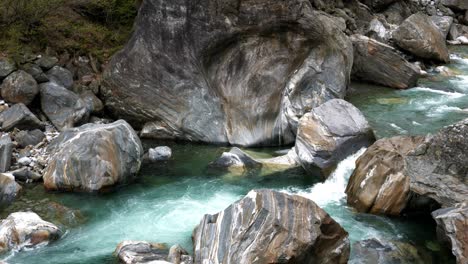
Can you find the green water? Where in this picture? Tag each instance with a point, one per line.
(170, 198)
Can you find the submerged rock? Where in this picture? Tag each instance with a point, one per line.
(6, 151)
(93, 158)
(19, 87)
(452, 228)
(270, 227)
(133, 252)
(330, 133)
(381, 64)
(379, 184)
(26, 230)
(9, 190)
(160, 153)
(64, 108)
(420, 36)
(18, 116)
(241, 73)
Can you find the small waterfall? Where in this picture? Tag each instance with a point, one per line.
(333, 189)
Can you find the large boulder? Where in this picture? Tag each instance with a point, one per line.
(93, 158)
(381, 64)
(452, 228)
(443, 23)
(6, 151)
(25, 230)
(6, 67)
(20, 117)
(240, 73)
(379, 184)
(270, 227)
(64, 108)
(420, 36)
(330, 133)
(378, 4)
(9, 190)
(19, 87)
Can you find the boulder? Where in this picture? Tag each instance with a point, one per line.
(379, 184)
(61, 76)
(438, 168)
(377, 31)
(25, 174)
(160, 153)
(452, 228)
(26, 138)
(18, 116)
(420, 36)
(93, 158)
(6, 150)
(330, 133)
(25, 230)
(9, 191)
(455, 4)
(92, 102)
(267, 226)
(64, 108)
(47, 62)
(374, 251)
(36, 72)
(240, 73)
(443, 23)
(457, 30)
(6, 67)
(133, 252)
(19, 87)
(179, 255)
(380, 63)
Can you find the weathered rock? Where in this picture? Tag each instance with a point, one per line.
(6, 150)
(270, 227)
(452, 228)
(457, 30)
(379, 184)
(378, 4)
(93, 158)
(374, 251)
(6, 67)
(443, 23)
(420, 36)
(438, 169)
(160, 153)
(36, 72)
(25, 174)
(330, 133)
(455, 4)
(26, 230)
(133, 252)
(61, 76)
(241, 73)
(19, 87)
(9, 190)
(18, 116)
(379, 63)
(47, 62)
(93, 103)
(179, 255)
(157, 130)
(378, 31)
(29, 138)
(397, 12)
(235, 161)
(64, 108)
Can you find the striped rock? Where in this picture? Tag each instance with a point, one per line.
(93, 158)
(268, 226)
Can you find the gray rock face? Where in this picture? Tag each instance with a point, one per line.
(47, 62)
(438, 168)
(420, 36)
(240, 73)
(452, 228)
(373, 251)
(378, 4)
(19, 87)
(26, 230)
(93, 103)
(270, 227)
(443, 23)
(93, 158)
(6, 67)
(455, 4)
(29, 138)
(64, 108)
(330, 133)
(133, 252)
(61, 76)
(381, 64)
(36, 72)
(9, 190)
(6, 150)
(160, 153)
(18, 116)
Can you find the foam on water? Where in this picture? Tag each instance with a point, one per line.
(429, 90)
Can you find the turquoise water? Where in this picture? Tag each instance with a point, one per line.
(170, 198)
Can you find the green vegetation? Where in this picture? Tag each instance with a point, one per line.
(97, 27)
